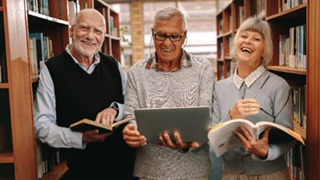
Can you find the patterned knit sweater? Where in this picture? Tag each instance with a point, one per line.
(148, 88)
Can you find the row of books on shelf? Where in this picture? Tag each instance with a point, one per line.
(296, 161)
(288, 4)
(229, 47)
(113, 29)
(241, 15)
(221, 49)
(222, 28)
(48, 158)
(38, 6)
(292, 48)
(258, 8)
(299, 105)
(40, 49)
(74, 8)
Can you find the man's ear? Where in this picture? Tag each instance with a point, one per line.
(72, 30)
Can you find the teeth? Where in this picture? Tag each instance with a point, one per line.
(246, 49)
(89, 43)
(166, 50)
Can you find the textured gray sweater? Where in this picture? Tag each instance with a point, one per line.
(147, 88)
(273, 94)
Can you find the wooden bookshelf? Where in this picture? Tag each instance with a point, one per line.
(282, 19)
(57, 173)
(313, 98)
(286, 69)
(299, 129)
(19, 159)
(6, 156)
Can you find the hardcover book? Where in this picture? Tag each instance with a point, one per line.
(88, 124)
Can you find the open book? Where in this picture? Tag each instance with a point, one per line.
(223, 139)
(87, 124)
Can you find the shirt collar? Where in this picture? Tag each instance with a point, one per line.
(96, 56)
(249, 80)
(153, 64)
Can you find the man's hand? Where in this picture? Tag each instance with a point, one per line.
(106, 116)
(259, 147)
(178, 144)
(132, 137)
(94, 136)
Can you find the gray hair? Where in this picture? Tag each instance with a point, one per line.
(167, 13)
(262, 27)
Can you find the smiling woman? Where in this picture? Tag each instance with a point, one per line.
(257, 95)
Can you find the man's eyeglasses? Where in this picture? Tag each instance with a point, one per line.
(163, 37)
(87, 29)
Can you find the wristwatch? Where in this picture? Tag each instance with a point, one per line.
(115, 107)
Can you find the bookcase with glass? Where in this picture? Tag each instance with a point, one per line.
(290, 59)
(28, 39)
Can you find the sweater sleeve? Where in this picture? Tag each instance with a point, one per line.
(283, 115)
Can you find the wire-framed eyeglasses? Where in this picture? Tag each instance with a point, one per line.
(163, 37)
(87, 29)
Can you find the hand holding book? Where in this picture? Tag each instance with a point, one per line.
(256, 147)
(87, 124)
(223, 139)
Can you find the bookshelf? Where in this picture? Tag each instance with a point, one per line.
(313, 98)
(18, 160)
(282, 17)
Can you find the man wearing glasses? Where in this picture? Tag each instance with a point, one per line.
(170, 77)
(82, 82)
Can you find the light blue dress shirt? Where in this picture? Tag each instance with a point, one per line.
(47, 131)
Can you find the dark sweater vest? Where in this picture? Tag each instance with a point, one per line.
(81, 95)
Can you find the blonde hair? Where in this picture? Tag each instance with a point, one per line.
(261, 27)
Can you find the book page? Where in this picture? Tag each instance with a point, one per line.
(222, 137)
(264, 124)
(116, 124)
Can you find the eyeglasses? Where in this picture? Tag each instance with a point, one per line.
(163, 37)
(86, 29)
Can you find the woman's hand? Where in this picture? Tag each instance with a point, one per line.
(260, 147)
(244, 107)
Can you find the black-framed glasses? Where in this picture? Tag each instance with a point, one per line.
(163, 36)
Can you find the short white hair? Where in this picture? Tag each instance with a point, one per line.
(167, 13)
